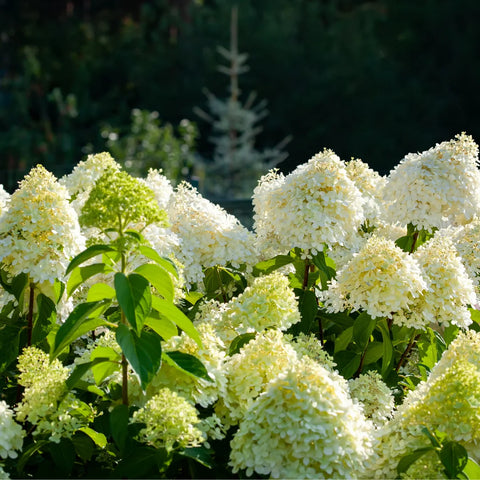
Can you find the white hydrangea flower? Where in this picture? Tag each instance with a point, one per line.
(314, 205)
(84, 176)
(46, 402)
(11, 433)
(450, 290)
(310, 346)
(305, 425)
(435, 188)
(39, 233)
(268, 302)
(449, 401)
(209, 235)
(211, 354)
(4, 200)
(249, 371)
(380, 279)
(371, 185)
(375, 396)
(171, 422)
(160, 185)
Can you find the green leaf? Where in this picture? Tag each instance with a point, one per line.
(188, 364)
(347, 362)
(165, 263)
(98, 438)
(239, 341)
(80, 370)
(58, 288)
(142, 462)
(362, 329)
(17, 286)
(144, 353)
(10, 334)
(80, 274)
(134, 297)
(454, 458)
(408, 460)
(159, 278)
(308, 306)
(374, 353)
(387, 356)
(83, 319)
(343, 340)
(84, 447)
(100, 291)
(63, 454)
(45, 318)
(119, 419)
(106, 361)
(28, 453)
(405, 243)
(163, 326)
(269, 266)
(199, 454)
(88, 253)
(326, 266)
(472, 469)
(172, 313)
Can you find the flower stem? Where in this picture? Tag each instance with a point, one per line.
(407, 351)
(222, 288)
(30, 314)
(305, 275)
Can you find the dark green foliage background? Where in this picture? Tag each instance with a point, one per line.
(370, 79)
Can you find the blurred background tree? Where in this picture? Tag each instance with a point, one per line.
(374, 79)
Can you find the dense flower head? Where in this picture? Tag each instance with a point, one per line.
(39, 233)
(375, 396)
(194, 389)
(46, 402)
(4, 199)
(11, 433)
(268, 302)
(171, 422)
(449, 401)
(84, 176)
(249, 371)
(371, 185)
(435, 188)
(120, 201)
(316, 204)
(450, 289)
(209, 235)
(161, 187)
(305, 425)
(311, 346)
(380, 279)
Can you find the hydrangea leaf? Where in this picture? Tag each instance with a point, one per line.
(159, 278)
(88, 253)
(187, 363)
(80, 274)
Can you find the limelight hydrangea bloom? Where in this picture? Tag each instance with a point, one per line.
(11, 433)
(450, 290)
(211, 354)
(449, 401)
(171, 422)
(380, 279)
(310, 346)
(371, 185)
(268, 302)
(435, 188)
(161, 187)
(305, 425)
(249, 371)
(85, 174)
(314, 205)
(39, 233)
(209, 235)
(4, 199)
(375, 396)
(45, 401)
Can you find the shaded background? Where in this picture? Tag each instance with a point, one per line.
(369, 79)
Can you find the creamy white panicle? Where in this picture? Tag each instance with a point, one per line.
(449, 401)
(314, 205)
(39, 233)
(4, 199)
(161, 187)
(435, 188)
(11, 433)
(84, 176)
(371, 185)
(380, 279)
(209, 235)
(450, 290)
(305, 425)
